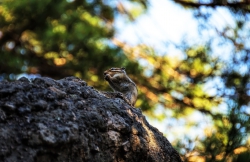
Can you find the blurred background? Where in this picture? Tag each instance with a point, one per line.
(189, 58)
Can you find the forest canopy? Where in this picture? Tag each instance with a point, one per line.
(77, 38)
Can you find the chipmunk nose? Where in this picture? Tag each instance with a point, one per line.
(104, 73)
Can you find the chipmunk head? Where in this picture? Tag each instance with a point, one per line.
(115, 72)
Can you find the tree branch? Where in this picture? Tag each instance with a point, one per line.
(214, 4)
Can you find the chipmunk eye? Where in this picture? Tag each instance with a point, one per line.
(123, 68)
(112, 69)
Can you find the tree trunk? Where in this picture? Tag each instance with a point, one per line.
(66, 120)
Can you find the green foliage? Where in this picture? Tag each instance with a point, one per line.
(58, 39)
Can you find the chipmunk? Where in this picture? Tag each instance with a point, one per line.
(120, 82)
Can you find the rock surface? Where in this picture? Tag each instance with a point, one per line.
(65, 120)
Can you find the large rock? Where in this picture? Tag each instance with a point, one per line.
(66, 120)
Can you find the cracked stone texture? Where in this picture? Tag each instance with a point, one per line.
(65, 120)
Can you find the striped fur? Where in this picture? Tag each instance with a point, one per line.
(120, 82)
